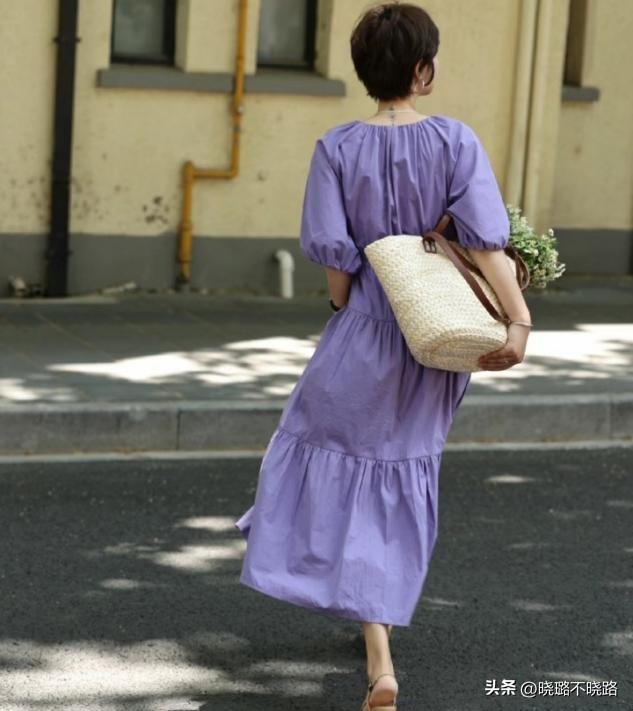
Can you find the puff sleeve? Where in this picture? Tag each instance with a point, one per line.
(474, 199)
(324, 236)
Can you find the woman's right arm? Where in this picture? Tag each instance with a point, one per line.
(339, 284)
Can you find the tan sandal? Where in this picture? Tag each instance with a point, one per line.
(382, 707)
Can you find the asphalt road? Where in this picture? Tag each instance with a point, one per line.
(119, 591)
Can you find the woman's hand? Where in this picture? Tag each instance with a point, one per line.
(510, 354)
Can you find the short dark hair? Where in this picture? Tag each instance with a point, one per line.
(387, 43)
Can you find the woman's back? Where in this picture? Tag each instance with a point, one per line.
(370, 180)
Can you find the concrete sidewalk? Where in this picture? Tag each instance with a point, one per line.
(176, 371)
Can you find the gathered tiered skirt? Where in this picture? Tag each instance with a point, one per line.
(345, 516)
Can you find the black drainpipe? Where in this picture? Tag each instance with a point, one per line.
(57, 249)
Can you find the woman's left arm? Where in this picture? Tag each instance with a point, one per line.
(496, 268)
(339, 284)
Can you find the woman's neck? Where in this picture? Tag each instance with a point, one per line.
(395, 105)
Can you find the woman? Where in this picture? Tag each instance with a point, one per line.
(345, 514)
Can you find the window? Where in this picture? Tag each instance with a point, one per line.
(143, 31)
(576, 54)
(286, 34)
(575, 46)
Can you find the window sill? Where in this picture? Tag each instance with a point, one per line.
(580, 93)
(269, 81)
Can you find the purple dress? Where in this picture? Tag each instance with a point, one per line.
(345, 516)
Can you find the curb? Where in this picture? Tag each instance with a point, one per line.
(192, 426)
(246, 454)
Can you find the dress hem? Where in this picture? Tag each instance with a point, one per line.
(285, 596)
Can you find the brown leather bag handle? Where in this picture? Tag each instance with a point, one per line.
(465, 266)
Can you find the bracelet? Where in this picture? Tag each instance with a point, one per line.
(334, 306)
(522, 323)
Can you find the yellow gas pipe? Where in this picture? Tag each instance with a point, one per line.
(190, 173)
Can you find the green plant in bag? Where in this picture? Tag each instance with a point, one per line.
(537, 251)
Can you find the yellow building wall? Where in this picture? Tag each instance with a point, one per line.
(27, 53)
(130, 144)
(594, 151)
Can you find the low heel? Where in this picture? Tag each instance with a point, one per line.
(381, 707)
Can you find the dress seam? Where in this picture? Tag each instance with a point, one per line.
(356, 456)
(375, 318)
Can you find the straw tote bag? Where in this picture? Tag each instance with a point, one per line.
(448, 313)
